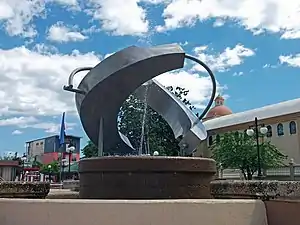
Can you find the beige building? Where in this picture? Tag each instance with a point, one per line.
(282, 121)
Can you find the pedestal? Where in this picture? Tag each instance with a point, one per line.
(136, 177)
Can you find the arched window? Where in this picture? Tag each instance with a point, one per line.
(293, 128)
(210, 140)
(280, 131)
(269, 133)
(218, 138)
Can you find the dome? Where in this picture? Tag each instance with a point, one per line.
(219, 109)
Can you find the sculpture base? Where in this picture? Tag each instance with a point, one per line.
(146, 177)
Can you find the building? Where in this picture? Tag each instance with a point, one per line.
(218, 110)
(48, 149)
(282, 121)
(9, 170)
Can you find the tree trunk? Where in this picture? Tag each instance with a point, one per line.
(249, 174)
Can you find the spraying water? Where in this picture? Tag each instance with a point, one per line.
(145, 109)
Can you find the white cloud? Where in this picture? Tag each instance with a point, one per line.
(199, 87)
(31, 82)
(16, 132)
(237, 74)
(119, 17)
(18, 15)
(291, 60)
(255, 15)
(219, 23)
(230, 57)
(17, 121)
(62, 33)
(24, 122)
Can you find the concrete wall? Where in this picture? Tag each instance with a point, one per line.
(123, 212)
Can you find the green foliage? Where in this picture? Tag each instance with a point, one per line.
(159, 134)
(237, 150)
(53, 169)
(90, 150)
(10, 157)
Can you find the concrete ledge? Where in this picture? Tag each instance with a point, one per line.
(62, 194)
(132, 212)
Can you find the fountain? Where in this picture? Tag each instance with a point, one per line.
(98, 99)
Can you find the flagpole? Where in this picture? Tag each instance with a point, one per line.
(61, 143)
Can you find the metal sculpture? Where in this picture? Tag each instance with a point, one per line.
(106, 86)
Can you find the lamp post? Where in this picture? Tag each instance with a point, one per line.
(23, 159)
(70, 149)
(155, 153)
(49, 168)
(183, 148)
(63, 161)
(256, 129)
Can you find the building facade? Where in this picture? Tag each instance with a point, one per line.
(282, 121)
(48, 149)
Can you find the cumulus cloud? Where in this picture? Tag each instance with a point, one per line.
(31, 81)
(17, 132)
(23, 122)
(62, 33)
(119, 17)
(200, 87)
(291, 60)
(230, 57)
(18, 15)
(255, 15)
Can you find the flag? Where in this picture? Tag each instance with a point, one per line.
(62, 130)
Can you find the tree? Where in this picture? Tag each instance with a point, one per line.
(158, 134)
(90, 150)
(236, 150)
(53, 169)
(10, 156)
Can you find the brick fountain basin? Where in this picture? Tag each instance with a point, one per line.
(146, 177)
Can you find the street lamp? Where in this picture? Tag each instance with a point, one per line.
(49, 168)
(155, 153)
(70, 149)
(184, 146)
(256, 129)
(23, 159)
(63, 162)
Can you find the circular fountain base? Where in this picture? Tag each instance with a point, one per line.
(146, 177)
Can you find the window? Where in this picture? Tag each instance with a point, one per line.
(218, 138)
(37, 143)
(269, 133)
(280, 129)
(293, 128)
(210, 140)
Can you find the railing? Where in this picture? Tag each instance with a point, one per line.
(290, 172)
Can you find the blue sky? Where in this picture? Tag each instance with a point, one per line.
(252, 46)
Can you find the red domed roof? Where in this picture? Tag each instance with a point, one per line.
(219, 110)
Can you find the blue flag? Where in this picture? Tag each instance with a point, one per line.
(62, 131)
